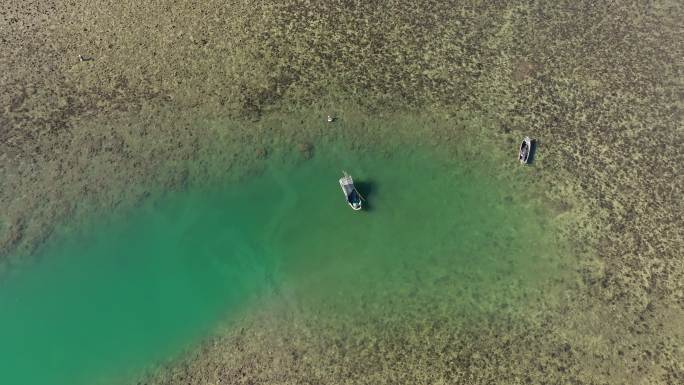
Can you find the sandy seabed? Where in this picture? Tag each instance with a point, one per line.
(182, 94)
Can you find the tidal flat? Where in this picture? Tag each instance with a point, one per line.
(181, 96)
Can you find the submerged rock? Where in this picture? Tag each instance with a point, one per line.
(306, 149)
(261, 153)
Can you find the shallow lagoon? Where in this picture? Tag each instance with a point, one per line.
(106, 303)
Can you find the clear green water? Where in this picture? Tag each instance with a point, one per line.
(102, 306)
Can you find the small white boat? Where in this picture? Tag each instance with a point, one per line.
(351, 195)
(525, 150)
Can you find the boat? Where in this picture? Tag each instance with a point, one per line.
(525, 150)
(350, 193)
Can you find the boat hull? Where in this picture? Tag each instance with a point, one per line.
(350, 194)
(524, 155)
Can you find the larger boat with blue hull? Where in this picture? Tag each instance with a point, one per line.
(350, 193)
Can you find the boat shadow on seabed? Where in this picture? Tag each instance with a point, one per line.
(533, 151)
(366, 189)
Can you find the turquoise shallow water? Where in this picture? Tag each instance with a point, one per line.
(103, 305)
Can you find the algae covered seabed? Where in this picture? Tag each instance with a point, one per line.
(181, 96)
